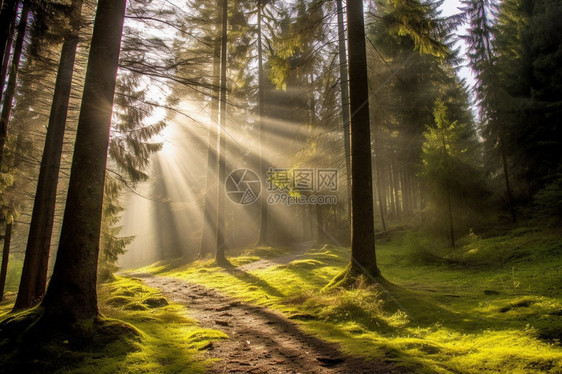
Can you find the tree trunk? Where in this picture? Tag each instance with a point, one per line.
(508, 192)
(167, 237)
(344, 81)
(11, 87)
(450, 209)
(71, 295)
(405, 192)
(5, 64)
(390, 191)
(395, 186)
(381, 197)
(380, 187)
(363, 231)
(262, 236)
(5, 257)
(209, 228)
(220, 243)
(7, 20)
(35, 266)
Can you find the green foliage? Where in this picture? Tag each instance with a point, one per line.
(130, 150)
(450, 152)
(15, 265)
(514, 50)
(413, 19)
(130, 146)
(152, 334)
(405, 86)
(548, 201)
(112, 245)
(468, 312)
(6, 180)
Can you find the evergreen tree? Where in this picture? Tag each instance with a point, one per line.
(130, 149)
(12, 79)
(344, 84)
(528, 51)
(362, 226)
(7, 20)
(405, 85)
(71, 294)
(221, 200)
(112, 244)
(209, 219)
(450, 168)
(263, 228)
(489, 93)
(8, 218)
(34, 274)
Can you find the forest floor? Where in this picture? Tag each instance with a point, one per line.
(260, 340)
(492, 304)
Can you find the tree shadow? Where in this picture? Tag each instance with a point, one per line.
(31, 342)
(254, 281)
(428, 308)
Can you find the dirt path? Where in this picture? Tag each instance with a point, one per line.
(261, 340)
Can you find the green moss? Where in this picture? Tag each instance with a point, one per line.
(243, 260)
(155, 302)
(491, 304)
(118, 300)
(136, 339)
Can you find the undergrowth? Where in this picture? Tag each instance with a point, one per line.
(490, 304)
(166, 340)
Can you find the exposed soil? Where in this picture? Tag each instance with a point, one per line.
(260, 340)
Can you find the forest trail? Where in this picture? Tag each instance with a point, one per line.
(260, 340)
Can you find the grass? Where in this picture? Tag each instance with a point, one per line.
(491, 304)
(13, 276)
(167, 340)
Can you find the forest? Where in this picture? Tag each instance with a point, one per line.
(301, 186)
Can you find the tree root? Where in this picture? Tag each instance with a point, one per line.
(33, 342)
(353, 276)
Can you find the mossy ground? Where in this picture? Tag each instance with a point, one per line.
(159, 337)
(492, 304)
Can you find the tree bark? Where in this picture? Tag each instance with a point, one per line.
(450, 211)
(344, 87)
(393, 202)
(508, 192)
(7, 20)
(262, 236)
(209, 224)
(71, 295)
(5, 257)
(12, 80)
(220, 243)
(363, 231)
(395, 186)
(380, 187)
(35, 266)
(380, 191)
